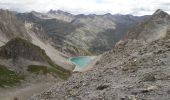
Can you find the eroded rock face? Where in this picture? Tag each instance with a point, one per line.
(22, 56)
(10, 26)
(152, 28)
(18, 47)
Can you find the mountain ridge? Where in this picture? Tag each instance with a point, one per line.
(82, 32)
(152, 28)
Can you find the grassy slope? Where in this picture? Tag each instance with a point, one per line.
(8, 77)
(62, 73)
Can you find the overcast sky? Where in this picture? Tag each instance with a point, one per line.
(135, 7)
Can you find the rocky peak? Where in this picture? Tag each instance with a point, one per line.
(151, 28)
(160, 14)
(52, 11)
(34, 13)
(108, 14)
(58, 12)
(6, 15)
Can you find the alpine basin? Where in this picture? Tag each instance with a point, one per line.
(82, 61)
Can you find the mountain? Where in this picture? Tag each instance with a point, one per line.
(61, 15)
(133, 62)
(12, 27)
(25, 48)
(137, 68)
(81, 34)
(133, 70)
(21, 56)
(21, 61)
(45, 40)
(151, 28)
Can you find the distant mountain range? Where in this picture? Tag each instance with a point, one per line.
(81, 34)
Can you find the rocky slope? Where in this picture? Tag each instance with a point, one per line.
(24, 58)
(136, 69)
(82, 34)
(25, 50)
(10, 27)
(152, 28)
(133, 70)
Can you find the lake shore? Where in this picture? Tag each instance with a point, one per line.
(88, 66)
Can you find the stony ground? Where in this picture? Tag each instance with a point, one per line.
(23, 93)
(134, 70)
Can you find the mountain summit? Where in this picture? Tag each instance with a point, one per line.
(152, 28)
(160, 13)
(58, 12)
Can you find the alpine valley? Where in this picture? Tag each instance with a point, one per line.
(127, 57)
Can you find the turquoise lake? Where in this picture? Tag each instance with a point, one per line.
(82, 61)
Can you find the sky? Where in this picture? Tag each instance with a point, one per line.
(134, 7)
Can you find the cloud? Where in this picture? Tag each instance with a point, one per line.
(136, 7)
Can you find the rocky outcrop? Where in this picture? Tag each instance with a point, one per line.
(151, 28)
(18, 47)
(11, 27)
(22, 54)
